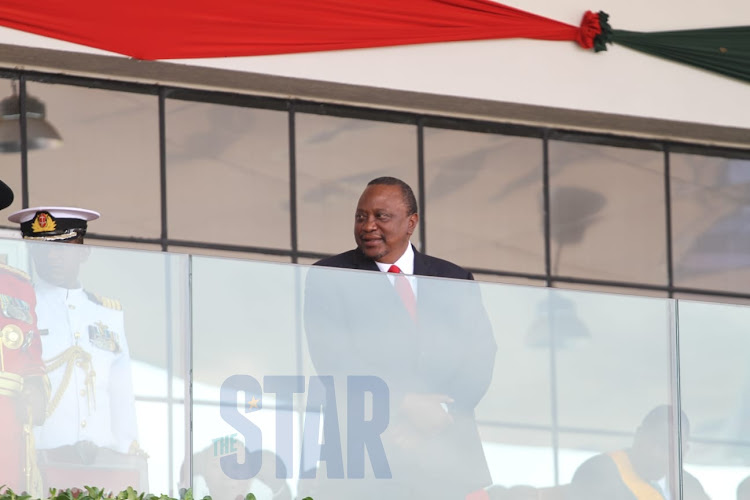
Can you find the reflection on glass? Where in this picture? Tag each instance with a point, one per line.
(626, 357)
(22, 380)
(743, 489)
(154, 433)
(243, 319)
(111, 147)
(93, 241)
(519, 394)
(40, 133)
(336, 157)
(482, 200)
(230, 254)
(10, 163)
(611, 289)
(91, 413)
(236, 162)
(545, 419)
(425, 375)
(607, 213)
(210, 478)
(245, 324)
(715, 387)
(644, 469)
(518, 457)
(104, 343)
(557, 325)
(711, 222)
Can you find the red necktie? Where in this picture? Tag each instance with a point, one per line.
(404, 290)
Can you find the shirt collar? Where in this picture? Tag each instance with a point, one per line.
(41, 284)
(405, 262)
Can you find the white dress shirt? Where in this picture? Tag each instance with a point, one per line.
(406, 264)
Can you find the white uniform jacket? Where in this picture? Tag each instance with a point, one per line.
(88, 363)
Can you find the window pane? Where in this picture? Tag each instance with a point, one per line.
(711, 222)
(493, 278)
(518, 458)
(712, 298)
(336, 157)
(227, 174)
(92, 241)
(227, 253)
(117, 319)
(607, 213)
(615, 374)
(483, 195)
(109, 159)
(715, 389)
(10, 163)
(640, 292)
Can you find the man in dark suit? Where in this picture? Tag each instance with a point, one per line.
(429, 340)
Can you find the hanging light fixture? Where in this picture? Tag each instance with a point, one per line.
(556, 324)
(40, 134)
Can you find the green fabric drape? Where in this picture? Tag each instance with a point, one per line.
(721, 50)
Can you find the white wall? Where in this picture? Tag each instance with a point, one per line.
(557, 74)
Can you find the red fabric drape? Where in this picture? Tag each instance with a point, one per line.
(171, 29)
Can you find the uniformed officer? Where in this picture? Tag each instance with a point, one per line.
(23, 386)
(91, 418)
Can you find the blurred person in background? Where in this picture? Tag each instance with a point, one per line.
(209, 478)
(641, 472)
(743, 489)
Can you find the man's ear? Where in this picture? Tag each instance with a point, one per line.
(413, 221)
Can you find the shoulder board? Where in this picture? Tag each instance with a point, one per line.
(12, 270)
(104, 301)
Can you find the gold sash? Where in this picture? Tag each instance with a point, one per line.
(71, 357)
(640, 488)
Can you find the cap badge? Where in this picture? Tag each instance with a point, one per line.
(43, 223)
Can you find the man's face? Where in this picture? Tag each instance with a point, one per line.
(382, 227)
(58, 263)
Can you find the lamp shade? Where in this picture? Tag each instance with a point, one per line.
(572, 210)
(40, 134)
(557, 325)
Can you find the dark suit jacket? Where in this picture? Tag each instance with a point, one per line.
(357, 325)
(424, 265)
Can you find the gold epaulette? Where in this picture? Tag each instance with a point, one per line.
(105, 301)
(16, 271)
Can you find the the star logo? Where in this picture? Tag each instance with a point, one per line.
(253, 404)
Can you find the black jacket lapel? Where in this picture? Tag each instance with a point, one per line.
(360, 261)
(421, 265)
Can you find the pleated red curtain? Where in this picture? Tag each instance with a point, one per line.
(172, 29)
